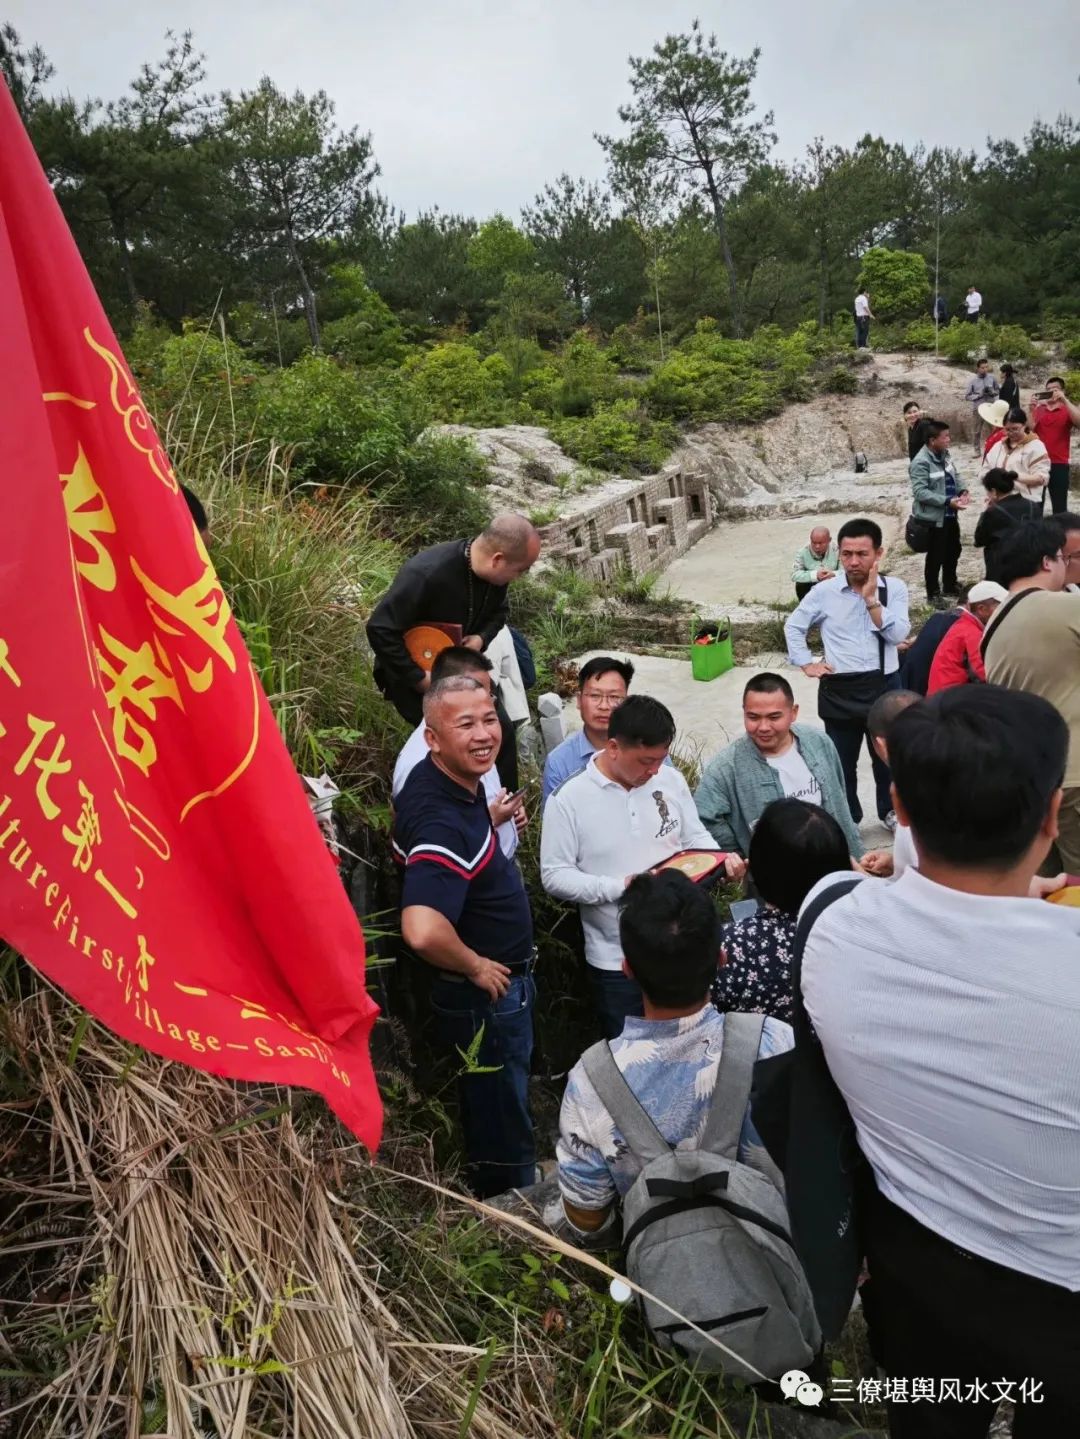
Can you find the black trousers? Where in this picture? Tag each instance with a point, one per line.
(941, 560)
(1059, 488)
(848, 735)
(938, 1313)
(802, 590)
(410, 707)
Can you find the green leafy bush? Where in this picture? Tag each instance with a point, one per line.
(442, 492)
(620, 436)
(919, 335)
(1072, 350)
(898, 281)
(341, 425)
(459, 387)
(840, 381)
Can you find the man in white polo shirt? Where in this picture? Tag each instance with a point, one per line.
(624, 813)
(948, 1007)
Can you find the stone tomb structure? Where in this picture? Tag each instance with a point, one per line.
(640, 529)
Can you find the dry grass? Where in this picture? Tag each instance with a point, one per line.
(181, 1258)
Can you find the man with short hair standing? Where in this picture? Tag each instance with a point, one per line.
(1032, 644)
(602, 686)
(982, 388)
(946, 1005)
(937, 497)
(463, 583)
(972, 305)
(507, 811)
(863, 617)
(465, 912)
(624, 813)
(1053, 418)
(815, 562)
(863, 316)
(772, 759)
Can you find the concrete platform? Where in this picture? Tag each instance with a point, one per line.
(708, 715)
(749, 562)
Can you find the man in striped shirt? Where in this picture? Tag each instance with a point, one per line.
(465, 911)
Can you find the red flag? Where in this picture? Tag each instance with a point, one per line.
(158, 857)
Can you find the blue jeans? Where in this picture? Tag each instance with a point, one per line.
(500, 1150)
(616, 998)
(862, 332)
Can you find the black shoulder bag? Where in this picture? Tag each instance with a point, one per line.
(810, 1136)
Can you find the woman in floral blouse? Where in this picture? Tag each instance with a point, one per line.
(794, 844)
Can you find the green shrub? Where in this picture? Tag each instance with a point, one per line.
(840, 381)
(340, 425)
(620, 436)
(1072, 350)
(919, 335)
(1072, 384)
(459, 387)
(1010, 342)
(898, 281)
(443, 489)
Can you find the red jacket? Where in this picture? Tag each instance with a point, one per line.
(957, 660)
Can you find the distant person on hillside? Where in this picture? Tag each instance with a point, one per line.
(602, 686)
(815, 562)
(1053, 419)
(1021, 450)
(938, 496)
(1009, 389)
(958, 660)
(863, 316)
(1005, 508)
(981, 388)
(972, 305)
(941, 310)
(916, 428)
(863, 617)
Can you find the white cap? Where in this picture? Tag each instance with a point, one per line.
(987, 590)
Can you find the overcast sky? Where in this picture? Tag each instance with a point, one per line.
(474, 104)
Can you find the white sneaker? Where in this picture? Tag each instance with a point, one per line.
(890, 821)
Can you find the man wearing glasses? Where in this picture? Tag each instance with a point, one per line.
(1032, 643)
(602, 686)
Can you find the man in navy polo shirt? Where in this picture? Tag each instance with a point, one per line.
(465, 911)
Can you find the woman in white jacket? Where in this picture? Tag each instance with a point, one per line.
(1021, 450)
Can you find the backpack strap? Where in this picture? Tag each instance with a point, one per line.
(731, 1097)
(641, 1134)
(800, 1020)
(995, 619)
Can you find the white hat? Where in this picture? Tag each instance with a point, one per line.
(994, 412)
(987, 590)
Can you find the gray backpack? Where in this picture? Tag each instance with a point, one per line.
(708, 1234)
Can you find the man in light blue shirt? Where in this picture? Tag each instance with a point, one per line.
(863, 616)
(602, 686)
